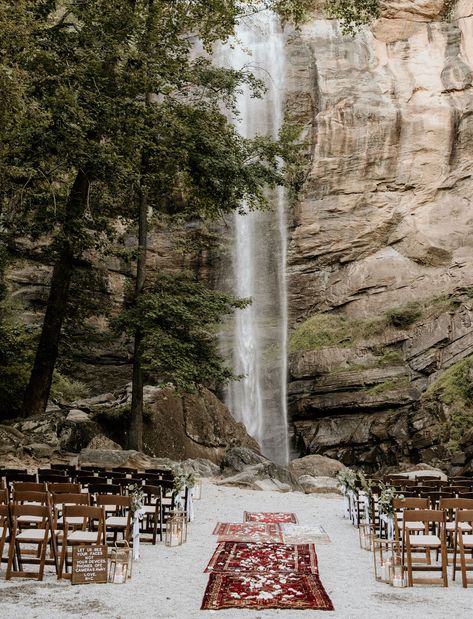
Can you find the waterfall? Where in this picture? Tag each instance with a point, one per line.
(259, 337)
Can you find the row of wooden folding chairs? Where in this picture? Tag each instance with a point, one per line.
(71, 474)
(450, 528)
(117, 507)
(32, 525)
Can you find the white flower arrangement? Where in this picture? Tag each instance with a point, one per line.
(385, 501)
(182, 478)
(347, 480)
(137, 497)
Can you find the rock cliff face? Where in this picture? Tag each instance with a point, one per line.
(384, 220)
(386, 212)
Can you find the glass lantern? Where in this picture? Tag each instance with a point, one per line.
(120, 565)
(366, 535)
(383, 556)
(176, 528)
(399, 578)
(197, 490)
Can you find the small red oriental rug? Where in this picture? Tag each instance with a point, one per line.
(249, 532)
(260, 591)
(270, 517)
(243, 557)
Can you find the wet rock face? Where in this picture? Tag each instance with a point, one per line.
(384, 219)
(385, 213)
(374, 414)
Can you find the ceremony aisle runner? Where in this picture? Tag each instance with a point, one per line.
(270, 517)
(241, 557)
(248, 532)
(249, 571)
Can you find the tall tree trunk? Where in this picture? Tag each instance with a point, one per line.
(39, 385)
(135, 436)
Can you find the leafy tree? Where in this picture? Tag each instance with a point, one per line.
(353, 13)
(16, 345)
(107, 114)
(101, 88)
(177, 317)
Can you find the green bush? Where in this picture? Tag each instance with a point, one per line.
(388, 385)
(67, 389)
(17, 342)
(319, 331)
(404, 315)
(454, 388)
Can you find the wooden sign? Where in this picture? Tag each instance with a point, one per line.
(89, 564)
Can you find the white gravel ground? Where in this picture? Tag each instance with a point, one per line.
(169, 583)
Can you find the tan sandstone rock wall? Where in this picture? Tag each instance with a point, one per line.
(385, 219)
(386, 212)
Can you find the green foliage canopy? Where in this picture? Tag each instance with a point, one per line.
(177, 318)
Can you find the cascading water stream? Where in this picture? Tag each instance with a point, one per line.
(259, 338)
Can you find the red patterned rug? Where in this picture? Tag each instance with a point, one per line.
(249, 532)
(270, 517)
(242, 557)
(260, 591)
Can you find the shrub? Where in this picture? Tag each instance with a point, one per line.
(17, 343)
(403, 316)
(454, 388)
(67, 389)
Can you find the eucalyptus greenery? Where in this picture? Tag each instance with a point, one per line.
(182, 478)
(137, 497)
(385, 500)
(348, 479)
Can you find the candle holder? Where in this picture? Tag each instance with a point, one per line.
(383, 557)
(197, 490)
(366, 536)
(120, 564)
(399, 578)
(176, 528)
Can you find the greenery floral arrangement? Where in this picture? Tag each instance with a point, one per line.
(137, 497)
(366, 484)
(348, 479)
(182, 478)
(385, 501)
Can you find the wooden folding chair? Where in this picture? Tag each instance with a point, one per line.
(95, 489)
(451, 506)
(399, 506)
(464, 544)
(59, 500)
(426, 541)
(28, 486)
(117, 510)
(20, 497)
(3, 496)
(21, 516)
(10, 477)
(153, 518)
(64, 487)
(4, 527)
(91, 532)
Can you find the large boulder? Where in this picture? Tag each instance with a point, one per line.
(100, 441)
(258, 477)
(111, 458)
(237, 459)
(61, 430)
(176, 426)
(319, 485)
(416, 470)
(246, 466)
(11, 441)
(316, 466)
